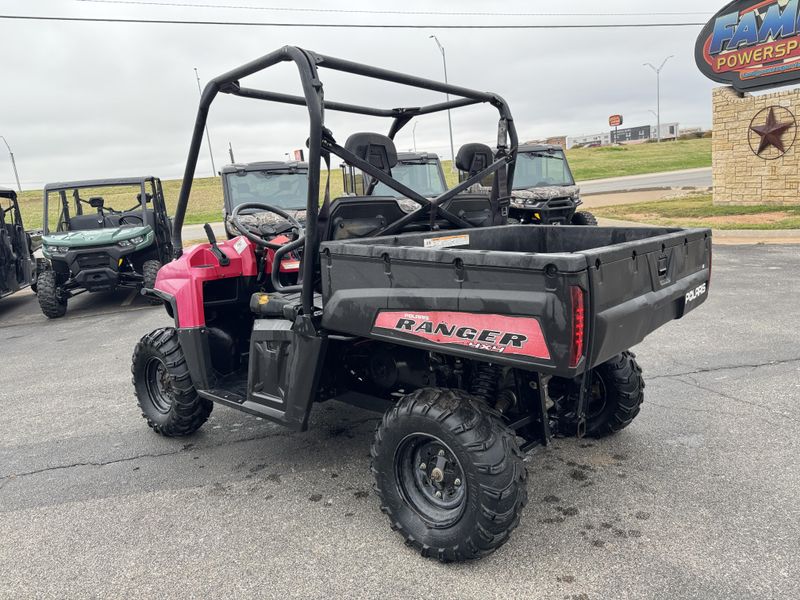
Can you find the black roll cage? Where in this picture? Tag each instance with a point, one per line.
(10, 195)
(321, 142)
(61, 189)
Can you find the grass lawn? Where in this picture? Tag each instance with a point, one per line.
(637, 159)
(205, 204)
(698, 211)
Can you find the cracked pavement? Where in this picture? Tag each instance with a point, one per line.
(697, 499)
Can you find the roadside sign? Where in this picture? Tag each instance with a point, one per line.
(752, 44)
(615, 120)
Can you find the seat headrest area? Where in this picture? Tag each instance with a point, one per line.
(374, 148)
(473, 158)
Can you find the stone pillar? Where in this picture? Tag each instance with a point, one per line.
(749, 169)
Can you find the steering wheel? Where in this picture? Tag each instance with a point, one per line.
(124, 217)
(256, 237)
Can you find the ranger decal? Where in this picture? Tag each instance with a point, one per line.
(490, 333)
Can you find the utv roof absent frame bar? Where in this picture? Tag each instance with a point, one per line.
(320, 140)
(91, 183)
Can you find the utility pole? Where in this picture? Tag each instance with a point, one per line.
(13, 162)
(208, 137)
(447, 95)
(414, 134)
(658, 93)
(654, 113)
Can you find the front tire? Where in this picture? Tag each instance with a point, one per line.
(584, 218)
(449, 474)
(149, 274)
(51, 301)
(163, 388)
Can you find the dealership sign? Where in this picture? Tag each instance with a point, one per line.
(615, 120)
(752, 45)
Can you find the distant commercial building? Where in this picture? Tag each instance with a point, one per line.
(627, 135)
(595, 139)
(669, 131)
(558, 140)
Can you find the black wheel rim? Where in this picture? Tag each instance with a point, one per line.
(159, 385)
(431, 479)
(597, 398)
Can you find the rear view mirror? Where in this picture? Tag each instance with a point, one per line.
(96, 202)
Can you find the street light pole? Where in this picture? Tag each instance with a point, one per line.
(658, 93)
(447, 96)
(414, 134)
(13, 162)
(208, 137)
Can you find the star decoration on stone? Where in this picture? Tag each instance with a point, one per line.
(771, 133)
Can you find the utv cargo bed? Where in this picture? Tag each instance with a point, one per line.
(538, 297)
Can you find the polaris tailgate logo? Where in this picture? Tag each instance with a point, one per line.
(490, 333)
(752, 45)
(696, 293)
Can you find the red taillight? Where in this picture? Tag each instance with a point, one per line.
(710, 261)
(578, 325)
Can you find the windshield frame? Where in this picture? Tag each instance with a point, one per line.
(230, 194)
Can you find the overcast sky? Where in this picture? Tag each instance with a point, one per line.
(90, 100)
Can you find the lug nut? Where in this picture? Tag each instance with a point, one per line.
(423, 467)
(441, 452)
(438, 494)
(457, 482)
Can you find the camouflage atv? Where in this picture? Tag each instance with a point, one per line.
(544, 190)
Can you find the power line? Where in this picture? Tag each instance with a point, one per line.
(393, 12)
(345, 25)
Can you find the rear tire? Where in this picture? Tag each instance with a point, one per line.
(149, 273)
(481, 478)
(52, 303)
(163, 388)
(584, 218)
(617, 393)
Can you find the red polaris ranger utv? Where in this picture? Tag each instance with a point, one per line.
(478, 341)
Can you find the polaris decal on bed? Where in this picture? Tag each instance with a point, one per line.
(694, 294)
(491, 333)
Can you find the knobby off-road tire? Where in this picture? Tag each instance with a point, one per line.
(163, 387)
(617, 393)
(584, 218)
(149, 273)
(456, 433)
(51, 302)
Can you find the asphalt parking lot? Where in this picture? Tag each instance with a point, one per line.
(697, 499)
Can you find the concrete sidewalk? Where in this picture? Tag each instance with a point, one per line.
(732, 237)
(617, 198)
